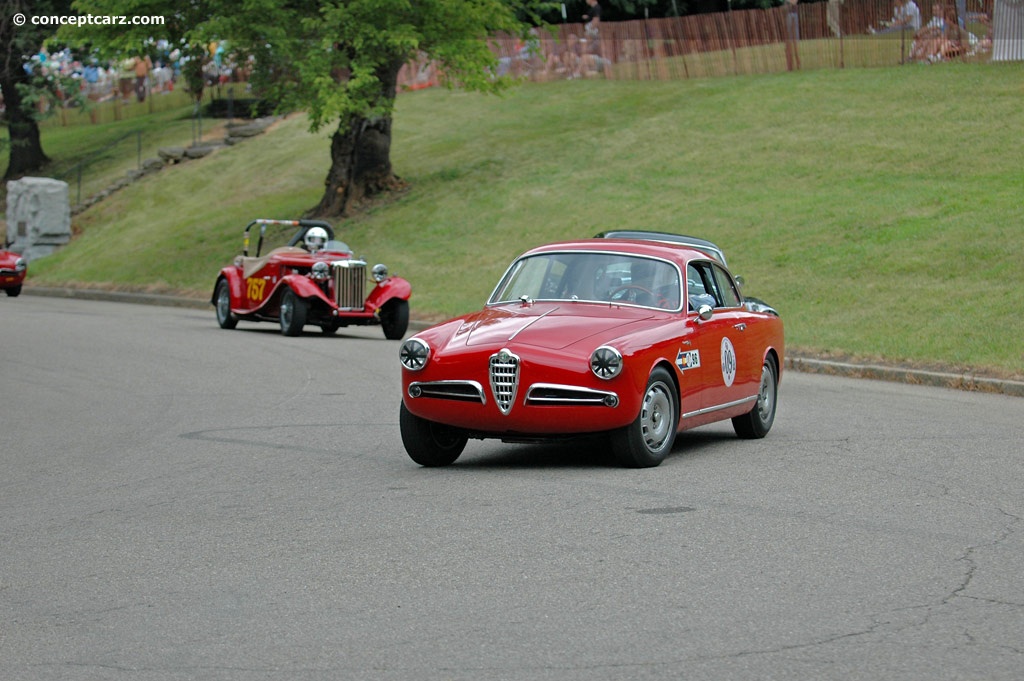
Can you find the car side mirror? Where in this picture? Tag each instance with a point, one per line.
(739, 281)
(705, 312)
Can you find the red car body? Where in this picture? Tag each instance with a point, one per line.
(13, 270)
(539, 365)
(295, 287)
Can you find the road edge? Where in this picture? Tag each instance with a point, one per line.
(810, 365)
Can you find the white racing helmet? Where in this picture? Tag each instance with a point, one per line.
(315, 239)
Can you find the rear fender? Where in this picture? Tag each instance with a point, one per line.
(393, 287)
(235, 286)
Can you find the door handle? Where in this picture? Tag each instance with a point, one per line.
(740, 327)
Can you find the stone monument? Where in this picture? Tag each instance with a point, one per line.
(38, 216)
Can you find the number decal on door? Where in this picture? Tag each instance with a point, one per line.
(728, 362)
(255, 288)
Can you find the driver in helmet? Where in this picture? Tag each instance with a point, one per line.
(315, 239)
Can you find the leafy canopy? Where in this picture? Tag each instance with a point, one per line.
(330, 58)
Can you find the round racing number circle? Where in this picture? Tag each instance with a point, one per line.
(728, 362)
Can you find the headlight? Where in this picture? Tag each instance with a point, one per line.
(379, 272)
(414, 354)
(20, 265)
(321, 271)
(606, 362)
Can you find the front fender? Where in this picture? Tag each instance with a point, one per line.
(304, 287)
(392, 287)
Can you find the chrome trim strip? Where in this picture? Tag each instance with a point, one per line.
(585, 396)
(727, 405)
(460, 391)
(530, 323)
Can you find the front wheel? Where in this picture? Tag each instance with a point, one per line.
(225, 317)
(758, 421)
(428, 443)
(394, 318)
(293, 313)
(14, 291)
(645, 442)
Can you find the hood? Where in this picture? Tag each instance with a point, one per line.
(548, 325)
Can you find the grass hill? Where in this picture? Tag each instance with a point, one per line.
(878, 209)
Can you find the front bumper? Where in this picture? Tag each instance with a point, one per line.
(556, 403)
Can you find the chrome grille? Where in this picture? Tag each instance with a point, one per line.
(504, 379)
(349, 284)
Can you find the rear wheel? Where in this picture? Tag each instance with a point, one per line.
(758, 421)
(225, 317)
(293, 313)
(645, 442)
(428, 443)
(13, 291)
(394, 318)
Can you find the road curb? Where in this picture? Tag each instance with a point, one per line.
(118, 297)
(963, 381)
(808, 365)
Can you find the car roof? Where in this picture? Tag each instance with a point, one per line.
(650, 248)
(665, 237)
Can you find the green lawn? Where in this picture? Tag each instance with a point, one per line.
(879, 210)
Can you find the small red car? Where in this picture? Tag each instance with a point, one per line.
(13, 270)
(310, 279)
(636, 339)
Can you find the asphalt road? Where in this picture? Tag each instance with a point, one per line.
(183, 502)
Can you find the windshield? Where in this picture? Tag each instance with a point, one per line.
(592, 277)
(337, 247)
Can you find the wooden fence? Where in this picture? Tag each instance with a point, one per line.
(834, 34)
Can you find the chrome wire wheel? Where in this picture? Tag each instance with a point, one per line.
(225, 317)
(294, 311)
(287, 311)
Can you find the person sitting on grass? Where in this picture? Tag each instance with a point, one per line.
(939, 40)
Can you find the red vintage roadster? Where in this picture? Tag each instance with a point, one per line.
(310, 279)
(13, 270)
(634, 338)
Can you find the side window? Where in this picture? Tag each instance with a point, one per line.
(728, 295)
(709, 284)
(699, 286)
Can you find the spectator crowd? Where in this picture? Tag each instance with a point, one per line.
(135, 77)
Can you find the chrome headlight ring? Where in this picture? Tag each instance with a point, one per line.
(321, 271)
(414, 354)
(379, 272)
(606, 362)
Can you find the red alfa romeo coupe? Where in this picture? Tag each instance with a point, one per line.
(636, 338)
(310, 279)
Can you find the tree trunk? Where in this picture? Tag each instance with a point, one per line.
(26, 152)
(361, 156)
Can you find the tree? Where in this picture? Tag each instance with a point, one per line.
(338, 60)
(20, 39)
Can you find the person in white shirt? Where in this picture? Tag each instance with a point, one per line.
(905, 16)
